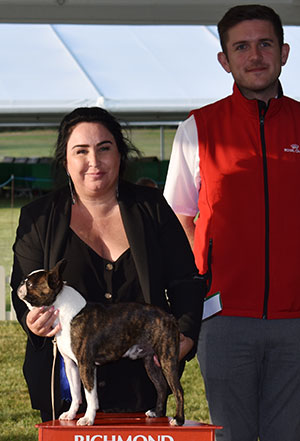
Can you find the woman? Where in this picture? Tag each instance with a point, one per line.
(122, 243)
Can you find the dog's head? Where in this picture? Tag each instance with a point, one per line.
(41, 287)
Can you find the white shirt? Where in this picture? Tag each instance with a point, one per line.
(183, 177)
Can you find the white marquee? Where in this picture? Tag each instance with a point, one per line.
(138, 72)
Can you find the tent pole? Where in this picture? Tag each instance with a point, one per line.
(162, 143)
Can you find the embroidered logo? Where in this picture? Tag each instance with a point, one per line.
(294, 148)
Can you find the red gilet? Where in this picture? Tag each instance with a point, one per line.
(249, 205)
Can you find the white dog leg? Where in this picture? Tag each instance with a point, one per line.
(72, 373)
(92, 405)
(151, 413)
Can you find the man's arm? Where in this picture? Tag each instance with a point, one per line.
(189, 227)
(183, 178)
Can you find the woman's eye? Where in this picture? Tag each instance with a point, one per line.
(81, 151)
(104, 148)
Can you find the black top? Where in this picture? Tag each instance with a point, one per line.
(105, 281)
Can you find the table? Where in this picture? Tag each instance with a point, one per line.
(125, 427)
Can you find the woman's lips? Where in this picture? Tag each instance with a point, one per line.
(96, 175)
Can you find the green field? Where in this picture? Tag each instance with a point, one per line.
(8, 224)
(38, 143)
(17, 419)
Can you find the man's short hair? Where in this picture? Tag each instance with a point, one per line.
(241, 13)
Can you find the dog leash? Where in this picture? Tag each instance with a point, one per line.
(52, 376)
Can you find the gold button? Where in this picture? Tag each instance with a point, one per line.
(109, 266)
(108, 295)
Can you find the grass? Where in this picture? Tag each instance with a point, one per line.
(8, 223)
(196, 408)
(33, 143)
(39, 143)
(17, 419)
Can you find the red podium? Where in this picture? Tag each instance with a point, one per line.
(126, 427)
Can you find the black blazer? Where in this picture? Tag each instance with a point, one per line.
(161, 252)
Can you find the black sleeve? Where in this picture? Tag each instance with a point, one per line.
(28, 256)
(186, 289)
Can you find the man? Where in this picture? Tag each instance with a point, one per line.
(237, 162)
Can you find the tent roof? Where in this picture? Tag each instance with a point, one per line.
(137, 72)
(132, 11)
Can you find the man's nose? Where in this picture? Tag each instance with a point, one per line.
(256, 53)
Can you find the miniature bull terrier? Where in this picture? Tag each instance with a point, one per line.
(94, 334)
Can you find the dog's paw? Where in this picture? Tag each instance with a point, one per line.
(151, 414)
(176, 422)
(67, 416)
(85, 421)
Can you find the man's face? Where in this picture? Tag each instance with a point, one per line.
(254, 58)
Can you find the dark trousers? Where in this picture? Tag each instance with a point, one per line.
(251, 370)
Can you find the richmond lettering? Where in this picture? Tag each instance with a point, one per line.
(122, 438)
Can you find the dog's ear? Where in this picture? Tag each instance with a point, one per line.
(55, 275)
(60, 266)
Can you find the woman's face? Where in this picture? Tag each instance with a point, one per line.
(92, 159)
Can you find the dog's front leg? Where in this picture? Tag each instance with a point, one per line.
(89, 378)
(72, 373)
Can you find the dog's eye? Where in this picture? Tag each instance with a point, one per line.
(29, 284)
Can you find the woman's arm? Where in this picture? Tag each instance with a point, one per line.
(28, 256)
(186, 289)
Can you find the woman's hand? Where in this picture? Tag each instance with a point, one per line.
(186, 344)
(41, 321)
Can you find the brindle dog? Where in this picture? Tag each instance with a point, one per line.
(93, 334)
